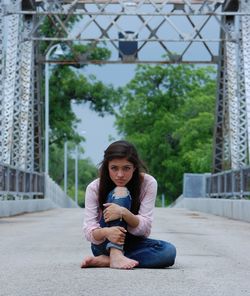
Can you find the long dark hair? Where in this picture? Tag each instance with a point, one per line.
(121, 149)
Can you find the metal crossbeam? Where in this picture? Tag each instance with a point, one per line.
(174, 30)
(131, 3)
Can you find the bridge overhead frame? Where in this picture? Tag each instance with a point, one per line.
(177, 31)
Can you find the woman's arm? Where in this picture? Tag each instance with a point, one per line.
(131, 219)
(145, 214)
(114, 211)
(92, 213)
(115, 234)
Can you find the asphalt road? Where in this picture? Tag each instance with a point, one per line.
(40, 254)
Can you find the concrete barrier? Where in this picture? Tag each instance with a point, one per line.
(15, 207)
(233, 209)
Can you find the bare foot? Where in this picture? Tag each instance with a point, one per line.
(98, 261)
(118, 260)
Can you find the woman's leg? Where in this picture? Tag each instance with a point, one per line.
(121, 197)
(150, 253)
(96, 261)
(108, 253)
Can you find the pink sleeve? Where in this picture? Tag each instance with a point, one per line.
(145, 214)
(92, 212)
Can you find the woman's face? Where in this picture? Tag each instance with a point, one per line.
(120, 171)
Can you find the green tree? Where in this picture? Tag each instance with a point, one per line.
(67, 82)
(69, 86)
(164, 110)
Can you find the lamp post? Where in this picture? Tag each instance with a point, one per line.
(76, 174)
(65, 166)
(76, 168)
(58, 52)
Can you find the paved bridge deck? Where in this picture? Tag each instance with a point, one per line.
(40, 254)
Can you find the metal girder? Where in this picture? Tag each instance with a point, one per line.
(26, 116)
(233, 125)
(11, 89)
(218, 147)
(231, 97)
(174, 30)
(131, 2)
(17, 116)
(245, 30)
(1, 77)
(241, 95)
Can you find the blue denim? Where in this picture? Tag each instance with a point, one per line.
(150, 253)
(123, 202)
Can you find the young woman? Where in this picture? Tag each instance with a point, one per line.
(119, 212)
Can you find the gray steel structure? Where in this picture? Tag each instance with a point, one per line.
(176, 31)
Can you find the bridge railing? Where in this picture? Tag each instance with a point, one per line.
(55, 193)
(229, 184)
(18, 184)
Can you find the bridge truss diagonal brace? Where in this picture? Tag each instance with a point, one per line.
(173, 29)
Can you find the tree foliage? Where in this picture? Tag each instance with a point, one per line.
(167, 111)
(67, 87)
(67, 82)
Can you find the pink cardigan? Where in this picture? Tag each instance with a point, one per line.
(92, 213)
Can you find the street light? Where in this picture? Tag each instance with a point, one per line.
(65, 166)
(58, 52)
(76, 169)
(76, 174)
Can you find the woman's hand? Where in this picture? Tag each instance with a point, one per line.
(116, 234)
(112, 212)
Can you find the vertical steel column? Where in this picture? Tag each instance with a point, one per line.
(245, 31)
(16, 103)
(1, 78)
(218, 146)
(233, 93)
(10, 136)
(241, 94)
(26, 118)
(37, 113)
(231, 82)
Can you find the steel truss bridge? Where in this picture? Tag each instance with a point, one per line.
(160, 31)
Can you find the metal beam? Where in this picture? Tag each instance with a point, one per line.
(132, 2)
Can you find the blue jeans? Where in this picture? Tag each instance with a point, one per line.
(150, 253)
(125, 202)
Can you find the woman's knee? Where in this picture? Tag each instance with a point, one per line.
(168, 253)
(101, 249)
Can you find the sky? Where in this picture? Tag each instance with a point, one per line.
(97, 130)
